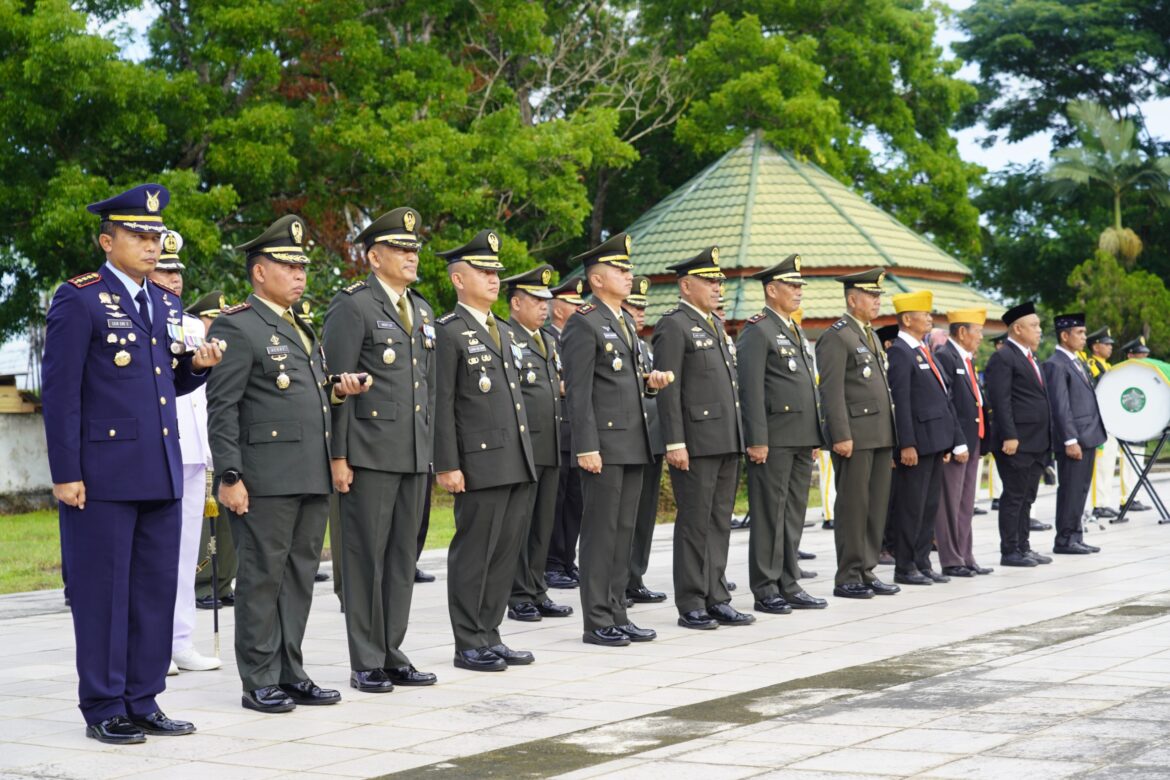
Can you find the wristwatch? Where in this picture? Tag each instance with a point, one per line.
(230, 477)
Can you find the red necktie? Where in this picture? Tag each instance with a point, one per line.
(934, 368)
(1035, 367)
(975, 390)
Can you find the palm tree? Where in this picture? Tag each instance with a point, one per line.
(1108, 157)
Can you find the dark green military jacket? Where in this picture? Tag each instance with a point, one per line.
(650, 407)
(480, 423)
(701, 407)
(778, 394)
(540, 382)
(387, 428)
(604, 386)
(855, 394)
(268, 403)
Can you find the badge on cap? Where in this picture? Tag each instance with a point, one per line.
(298, 232)
(494, 242)
(152, 200)
(629, 245)
(408, 221)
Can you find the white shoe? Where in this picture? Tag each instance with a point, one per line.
(173, 670)
(190, 660)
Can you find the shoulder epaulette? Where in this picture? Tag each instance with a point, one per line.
(164, 287)
(236, 308)
(841, 323)
(416, 294)
(668, 312)
(756, 317)
(352, 288)
(446, 318)
(85, 280)
(585, 308)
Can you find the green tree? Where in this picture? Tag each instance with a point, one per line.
(1129, 302)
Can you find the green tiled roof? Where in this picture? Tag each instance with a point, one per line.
(760, 205)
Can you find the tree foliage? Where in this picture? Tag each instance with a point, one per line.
(1132, 303)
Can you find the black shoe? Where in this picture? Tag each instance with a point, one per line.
(371, 681)
(852, 590)
(880, 588)
(548, 608)
(912, 578)
(512, 657)
(408, 675)
(308, 692)
(116, 730)
(740, 522)
(1105, 511)
(643, 595)
(731, 586)
(1038, 557)
(727, 615)
(697, 619)
(1049, 475)
(773, 605)
(157, 724)
(207, 602)
(525, 612)
(423, 576)
(805, 556)
(995, 503)
(637, 634)
(935, 576)
(1016, 559)
(807, 575)
(827, 525)
(958, 571)
(228, 600)
(981, 569)
(606, 637)
(559, 579)
(270, 698)
(802, 600)
(1072, 548)
(885, 559)
(1036, 525)
(1138, 506)
(479, 660)
(320, 576)
(979, 511)
(1090, 547)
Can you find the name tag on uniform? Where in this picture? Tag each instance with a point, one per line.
(280, 349)
(960, 371)
(609, 334)
(387, 325)
(863, 349)
(925, 366)
(119, 324)
(474, 348)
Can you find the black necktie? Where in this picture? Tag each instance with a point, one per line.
(143, 309)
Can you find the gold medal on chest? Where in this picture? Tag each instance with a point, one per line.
(867, 372)
(121, 358)
(617, 363)
(282, 381)
(608, 347)
(485, 383)
(389, 355)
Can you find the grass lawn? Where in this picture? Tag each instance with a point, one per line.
(30, 552)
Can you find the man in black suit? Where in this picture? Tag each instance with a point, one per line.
(952, 522)
(1020, 431)
(928, 435)
(1077, 431)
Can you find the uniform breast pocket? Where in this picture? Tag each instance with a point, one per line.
(378, 411)
(485, 377)
(611, 420)
(113, 429)
(863, 364)
(700, 412)
(862, 409)
(274, 432)
(481, 441)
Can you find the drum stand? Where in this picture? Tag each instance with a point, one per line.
(1143, 473)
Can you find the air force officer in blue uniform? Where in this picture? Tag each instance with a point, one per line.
(110, 378)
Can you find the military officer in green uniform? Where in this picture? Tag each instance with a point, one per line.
(269, 426)
(382, 447)
(703, 432)
(605, 379)
(483, 454)
(636, 591)
(859, 422)
(782, 427)
(540, 382)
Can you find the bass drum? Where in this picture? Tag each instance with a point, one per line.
(1134, 398)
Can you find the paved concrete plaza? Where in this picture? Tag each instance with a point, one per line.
(1056, 671)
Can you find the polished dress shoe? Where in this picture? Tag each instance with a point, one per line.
(513, 657)
(1138, 506)
(1038, 557)
(880, 588)
(995, 503)
(643, 595)
(979, 511)
(980, 569)
(191, 660)
(740, 522)
(637, 634)
(525, 612)
(321, 576)
(827, 525)
(228, 600)
(1090, 547)
(807, 575)
(912, 578)
(1105, 511)
(371, 681)
(852, 590)
(1036, 525)
(559, 579)
(116, 730)
(479, 660)
(731, 586)
(957, 571)
(207, 602)
(158, 724)
(727, 615)
(270, 698)
(606, 637)
(697, 619)
(934, 575)
(802, 600)
(773, 605)
(804, 556)
(308, 692)
(1016, 559)
(549, 608)
(885, 558)
(423, 576)
(1072, 548)
(408, 675)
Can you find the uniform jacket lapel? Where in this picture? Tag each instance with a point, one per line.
(126, 301)
(280, 324)
(481, 331)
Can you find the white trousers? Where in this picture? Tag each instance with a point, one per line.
(194, 490)
(1104, 491)
(826, 482)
